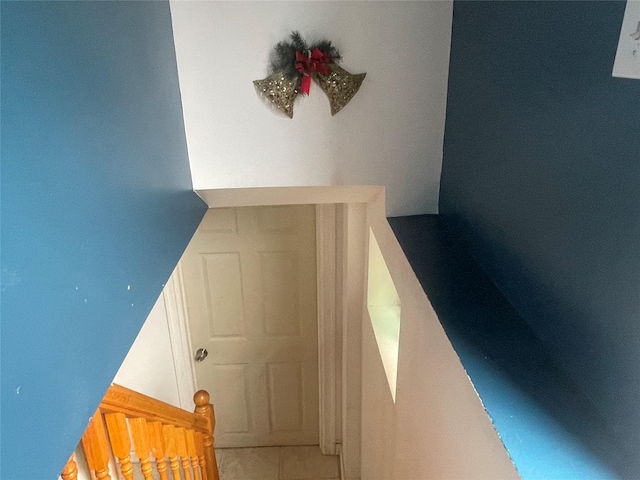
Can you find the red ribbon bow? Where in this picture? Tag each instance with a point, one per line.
(314, 61)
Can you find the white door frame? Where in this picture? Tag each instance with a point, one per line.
(341, 247)
(180, 339)
(326, 285)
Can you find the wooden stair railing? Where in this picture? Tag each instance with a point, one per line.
(161, 434)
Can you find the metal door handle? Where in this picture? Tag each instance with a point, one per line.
(201, 354)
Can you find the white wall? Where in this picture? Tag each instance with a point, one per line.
(436, 426)
(390, 134)
(149, 366)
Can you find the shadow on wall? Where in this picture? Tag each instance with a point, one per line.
(541, 169)
(494, 343)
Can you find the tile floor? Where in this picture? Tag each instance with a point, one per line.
(276, 463)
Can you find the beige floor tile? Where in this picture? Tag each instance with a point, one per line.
(250, 463)
(306, 463)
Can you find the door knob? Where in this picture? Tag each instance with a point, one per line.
(201, 354)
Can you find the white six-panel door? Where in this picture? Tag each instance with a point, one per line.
(250, 288)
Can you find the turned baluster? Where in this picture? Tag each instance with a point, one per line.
(96, 447)
(120, 442)
(191, 451)
(140, 434)
(205, 409)
(157, 448)
(181, 445)
(70, 471)
(169, 435)
(200, 454)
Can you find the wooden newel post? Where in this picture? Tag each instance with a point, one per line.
(205, 409)
(70, 471)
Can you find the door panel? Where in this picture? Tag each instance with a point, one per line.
(286, 411)
(223, 289)
(250, 287)
(234, 402)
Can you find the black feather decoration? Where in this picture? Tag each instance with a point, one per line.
(283, 56)
(283, 59)
(326, 47)
(298, 42)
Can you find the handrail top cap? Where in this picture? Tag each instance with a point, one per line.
(201, 398)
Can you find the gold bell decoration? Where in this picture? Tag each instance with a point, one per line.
(340, 86)
(280, 91)
(295, 63)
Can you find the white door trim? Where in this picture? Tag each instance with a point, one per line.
(180, 339)
(353, 280)
(326, 285)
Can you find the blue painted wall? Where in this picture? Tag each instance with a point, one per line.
(541, 171)
(548, 426)
(97, 208)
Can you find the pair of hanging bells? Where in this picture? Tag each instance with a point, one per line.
(339, 85)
